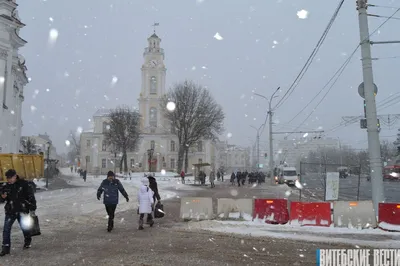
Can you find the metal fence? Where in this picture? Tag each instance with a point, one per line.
(313, 178)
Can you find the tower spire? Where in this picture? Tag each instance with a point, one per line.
(156, 24)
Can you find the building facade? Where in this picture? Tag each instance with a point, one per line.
(156, 131)
(12, 77)
(293, 151)
(232, 158)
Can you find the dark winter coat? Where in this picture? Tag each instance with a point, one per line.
(20, 197)
(153, 186)
(111, 189)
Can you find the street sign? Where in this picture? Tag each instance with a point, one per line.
(361, 90)
(363, 123)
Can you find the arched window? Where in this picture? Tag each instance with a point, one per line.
(153, 117)
(153, 85)
(172, 145)
(106, 126)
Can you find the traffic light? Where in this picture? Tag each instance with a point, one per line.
(365, 109)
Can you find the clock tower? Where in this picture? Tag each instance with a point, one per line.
(153, 86)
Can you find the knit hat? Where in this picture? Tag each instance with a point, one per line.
(110, 173)
(10, 173)
(145, 181)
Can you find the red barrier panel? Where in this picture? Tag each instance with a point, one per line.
(310, 213)
(389, 216)
(274, 211)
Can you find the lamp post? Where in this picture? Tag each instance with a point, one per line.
(48, 164)
(258, 145)
(150, 153)
(271, 147)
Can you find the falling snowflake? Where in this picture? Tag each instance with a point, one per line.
(33, 108)
(79, 130)
(163, 172)
(66, 74)
(193, 67)
(114, 81)
(305, 135)
(302, 14)
(53, 36)
(218, 37)
(229, 135)
(51, 19)
(171, 106)
(67, 143)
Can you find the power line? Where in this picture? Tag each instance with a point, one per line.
(391, 7)
(341, 69)
(379, 16)
(310, 58)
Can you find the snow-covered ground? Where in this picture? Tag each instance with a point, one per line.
(258, 228)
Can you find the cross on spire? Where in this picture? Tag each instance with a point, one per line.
(155, 25)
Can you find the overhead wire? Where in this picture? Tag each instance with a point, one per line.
(310, 58)
(342, 68)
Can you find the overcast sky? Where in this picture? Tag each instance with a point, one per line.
(264, 45)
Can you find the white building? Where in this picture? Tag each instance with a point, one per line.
(293, 150)
(12, 77)
(157, 133)
(232, 158)
(43, 143)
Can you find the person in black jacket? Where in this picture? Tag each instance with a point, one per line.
(153, 186)
(111, 188)
(20, 200)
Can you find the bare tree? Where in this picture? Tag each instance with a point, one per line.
(388, 151)
(196, 116)
(124, 131)
(29, 145)
(75, 145)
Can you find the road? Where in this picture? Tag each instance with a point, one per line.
(349, 188)
(83, 240)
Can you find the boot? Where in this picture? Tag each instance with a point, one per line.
(27, 243)
(141, 224)
(110, 225)
(4, 251)
(151, 223)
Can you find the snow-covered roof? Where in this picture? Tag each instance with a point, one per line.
(89, 130)
(102, 112)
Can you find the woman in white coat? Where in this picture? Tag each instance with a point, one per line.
(146, 201)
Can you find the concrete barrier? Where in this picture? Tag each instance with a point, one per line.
(310, 213)
(389, 217)
(273, 211)
(196, 208)
(354, 214)
(235, 208)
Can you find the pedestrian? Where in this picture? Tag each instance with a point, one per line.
(146, 201)
(212, 178)
(218, 176)
(154, 187)
(183, 176)
(111, 188)
(233, 179)
(238, 177)
(20, 201)
(84, 175)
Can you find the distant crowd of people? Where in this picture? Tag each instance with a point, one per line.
(252, 177)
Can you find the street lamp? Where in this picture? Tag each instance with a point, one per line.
(48, 164)
(271, 146)
(150, 153)
(258, 144)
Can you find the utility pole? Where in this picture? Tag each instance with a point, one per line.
(48, 164)
(258, 145)
(271, 144)
(374, 148)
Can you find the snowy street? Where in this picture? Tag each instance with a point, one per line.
(74, 232)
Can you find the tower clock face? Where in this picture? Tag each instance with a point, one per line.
(153, 63)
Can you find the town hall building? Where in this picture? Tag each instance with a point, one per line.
(157, 135)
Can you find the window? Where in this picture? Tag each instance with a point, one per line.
(153, 117)
(200, 160)
(87, 159)
(172, 163)
(152, 144)
(106, 127)
(88, 143)
(104, 145)
(200, 146)
(104, 163)
(132, 162)
(172, 145)
(153, 85)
